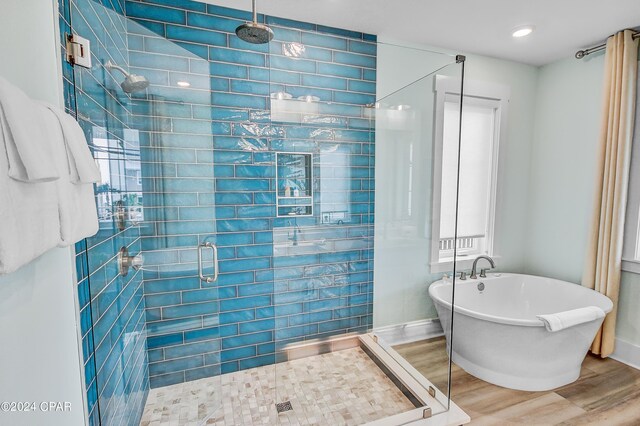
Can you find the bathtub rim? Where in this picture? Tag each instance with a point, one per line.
(499, 319)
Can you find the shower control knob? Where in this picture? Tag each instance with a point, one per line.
(135, 261)
(125, 261)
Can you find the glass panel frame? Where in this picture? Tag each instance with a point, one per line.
(406, 120)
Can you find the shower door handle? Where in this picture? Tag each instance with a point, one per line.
(213, 248)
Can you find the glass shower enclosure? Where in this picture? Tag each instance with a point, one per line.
(286, 208)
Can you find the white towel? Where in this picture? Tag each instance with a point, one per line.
(29, 218)
(77, 205)
(82, 166)
(562, 320)
(26, 144)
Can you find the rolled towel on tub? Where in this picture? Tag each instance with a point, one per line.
(561, 320)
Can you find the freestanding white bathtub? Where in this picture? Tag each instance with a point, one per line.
(497, 337)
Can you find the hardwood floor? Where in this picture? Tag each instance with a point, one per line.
(607, 392)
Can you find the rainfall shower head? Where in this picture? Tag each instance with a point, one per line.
(254, 32)
(132, 82)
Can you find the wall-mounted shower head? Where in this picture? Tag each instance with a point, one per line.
(254, 32)
(132, 82)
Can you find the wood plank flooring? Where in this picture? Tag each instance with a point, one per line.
(606, 394)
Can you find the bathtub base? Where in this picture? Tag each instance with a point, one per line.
(516, 382)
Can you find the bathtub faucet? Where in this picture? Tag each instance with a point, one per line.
(473, 275)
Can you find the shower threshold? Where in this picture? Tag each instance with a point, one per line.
(350, 380)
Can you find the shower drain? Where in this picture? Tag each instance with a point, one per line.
(284, 406)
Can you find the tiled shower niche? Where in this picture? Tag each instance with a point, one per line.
(294, 194)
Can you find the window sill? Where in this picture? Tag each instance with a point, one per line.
(465, 264)
(631, 266)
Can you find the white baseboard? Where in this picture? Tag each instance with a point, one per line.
(627, 353)
(410, 332)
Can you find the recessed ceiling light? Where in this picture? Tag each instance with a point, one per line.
(522, 31)
(183, 83)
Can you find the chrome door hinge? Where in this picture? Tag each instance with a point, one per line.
(78, 50)
(426, 412)
(432, 391)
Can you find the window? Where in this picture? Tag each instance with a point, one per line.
(483, 124)
(631, 243)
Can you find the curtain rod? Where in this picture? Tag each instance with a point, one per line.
(582, 53)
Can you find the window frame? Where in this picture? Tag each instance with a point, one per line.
(445, 87)
(631, 236)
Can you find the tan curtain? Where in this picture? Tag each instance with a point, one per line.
(604, 252)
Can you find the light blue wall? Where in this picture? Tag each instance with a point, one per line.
(563, 176)
(563, 159)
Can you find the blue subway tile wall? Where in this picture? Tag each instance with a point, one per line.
(209, 174)
(112, 310)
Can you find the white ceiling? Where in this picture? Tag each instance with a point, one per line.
(471, 26)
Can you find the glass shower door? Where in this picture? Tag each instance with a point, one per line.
(174, 121)
(158, 325)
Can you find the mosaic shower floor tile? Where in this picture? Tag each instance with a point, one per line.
(338, 388)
